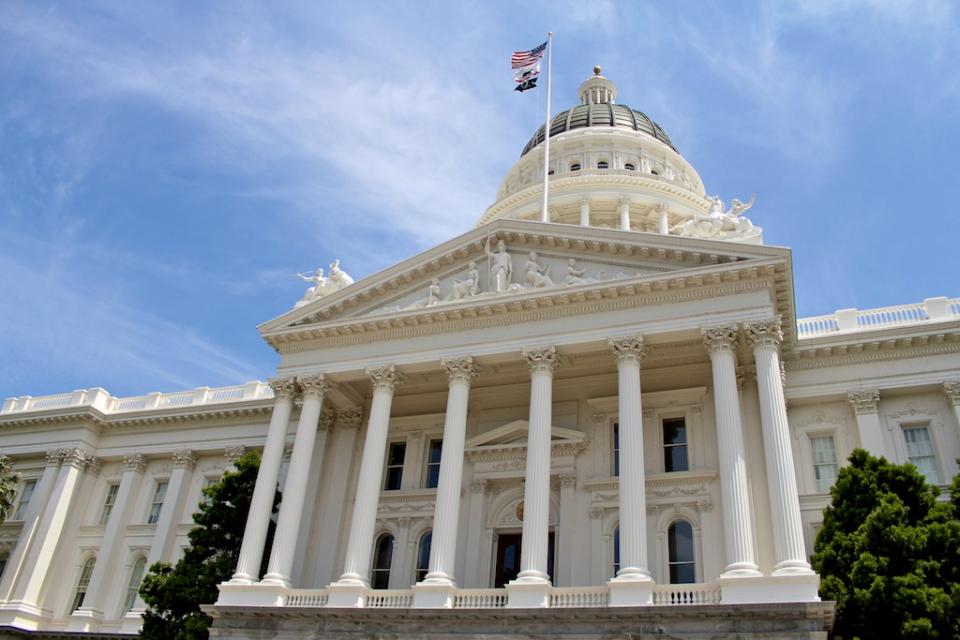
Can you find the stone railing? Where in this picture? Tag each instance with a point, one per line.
(101, 400)
(676, 594)
(560, 597)
(851, 320)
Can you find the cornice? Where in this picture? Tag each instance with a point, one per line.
(90, 417)
(872, 350)
(504, 311)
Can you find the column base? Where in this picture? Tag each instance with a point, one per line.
(434, 594)
(744, 570)
(631, 590)
(85, 619)
(251, 595)
(528, 594)
(22, 615)
(792, 568)
(276, 580)
(769, 589)
(347, 593)
(242, 578)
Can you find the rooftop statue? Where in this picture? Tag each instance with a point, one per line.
(323, 286)
(719, 223)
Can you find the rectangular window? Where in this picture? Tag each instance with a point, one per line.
(824, 462)
(158, 495)
(920, 452)
(433, 464)
(675, 445)
(394, 475)
(208, 482)
(616, 449)
(108, 502)
(25, 497)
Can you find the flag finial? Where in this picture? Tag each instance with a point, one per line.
(596, 70)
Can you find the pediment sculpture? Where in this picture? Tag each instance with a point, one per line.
(720, 223)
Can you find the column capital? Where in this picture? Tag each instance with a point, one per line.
(952, 389)
(184, 459)
(54, 457)
(385, 378)
(234, 452)
(765, 333)
(541, 358)
(327, 419)
(717, 339)
(314, 385)
(864, 402)
(134, 462)
(584, 200)
(77, 457)
(629, 348)
(460, 368)
(624, 201)
(478, 486)
(349, 419)
(661, 207)
(284, 388)
(568, 480)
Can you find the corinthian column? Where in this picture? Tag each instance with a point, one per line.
(261, 504)
(530, 589)
(633, 584)
(624, 213)
(436, 589)
(721, 344)
(791, 557)
(349, 590)
(584, 211)
(870, 430)
(952, 389)
(291, 505)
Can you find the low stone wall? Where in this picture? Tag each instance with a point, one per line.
(767, 621)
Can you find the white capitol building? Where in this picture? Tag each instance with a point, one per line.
(609, 422)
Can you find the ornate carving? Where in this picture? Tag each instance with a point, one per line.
(952, 389)
(54, 457)
(184, 459)
(864, 402)
(284, 387)
(460, 368)
(327, 419)
(783, 373)
(349, 419)
(541, 358)
(536, 276)
(478, 487)
(764, 334)
(741, 377)
(704, 505)
(134, 462)
(720, 338)
(287, 451)
(596, 513)
(628, 348)
(234, 452)
(76, 457)
(385, 378)
(568, 480)
(317, 384)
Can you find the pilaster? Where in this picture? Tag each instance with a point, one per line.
(865, 406)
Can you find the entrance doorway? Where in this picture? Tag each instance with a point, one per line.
(508, 558)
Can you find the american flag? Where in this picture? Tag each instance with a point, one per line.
(527, 58)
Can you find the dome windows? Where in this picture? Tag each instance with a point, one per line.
(575, 166)
(630, 166)
(603, 164)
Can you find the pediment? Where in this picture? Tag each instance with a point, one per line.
(470, 276)
(514, 434)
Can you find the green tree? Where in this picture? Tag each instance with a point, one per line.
(173, 594)
(8, 487)
(889, 553)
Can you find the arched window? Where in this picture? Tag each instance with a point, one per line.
(4, 556)
(133, 585)
(423, 555)
(630, 166)
(616, 551)
(683, 569)
(603, 164)
(382, 558)
(83, 583)
(575, 166)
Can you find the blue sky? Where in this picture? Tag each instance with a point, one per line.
(166, 168)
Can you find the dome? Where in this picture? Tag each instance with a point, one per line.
(598, 109)
(601, 115)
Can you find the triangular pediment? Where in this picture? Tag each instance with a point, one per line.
(474, 275)
(515, 434)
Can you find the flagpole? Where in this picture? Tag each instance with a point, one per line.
(545, 213)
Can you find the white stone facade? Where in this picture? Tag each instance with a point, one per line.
(531, 395)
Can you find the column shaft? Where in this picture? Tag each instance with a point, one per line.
(734, 490)
(94, 603)
(443, 546)
(584, 212)
(625, 214)
(536, 495)
(663, 219)
(362, 526)
(295, 488)
(633, 495)
(165, 536)
(765, 338)
(261, 504)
